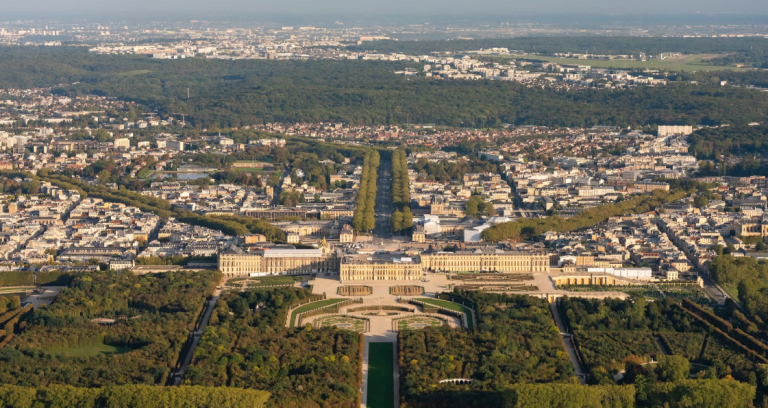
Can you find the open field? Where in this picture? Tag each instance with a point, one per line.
(310, 306)
(381, 382)
(89, 350)
(690, 62)
(452, 306)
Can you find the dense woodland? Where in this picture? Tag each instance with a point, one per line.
(238, 93)
(247, 345)
(750, 277)
(516, 342)
(130, 396)
(612, 335)
(60, 344)
(517, 359)
(711, 143)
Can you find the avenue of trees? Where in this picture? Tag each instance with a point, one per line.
(402, 218)
(62, 344)
(247, 345)
(364, 217)
(401, 193)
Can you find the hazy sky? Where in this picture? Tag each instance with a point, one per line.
(172, 9)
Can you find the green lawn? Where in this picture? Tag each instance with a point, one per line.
(684, 63)
(381, 381)
(310, 306)
(452, 306)
(89, 350)
(733, 291)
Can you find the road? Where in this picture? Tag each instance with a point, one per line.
(383, 231)
(568, 343)
(196, 335)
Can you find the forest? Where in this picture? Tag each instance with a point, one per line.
(711, 143)
(516, 342)
(247, 92)
(150, 315)
(612, 335)
(130, 396)
(247, 345)
(750, 277)
(517, 359)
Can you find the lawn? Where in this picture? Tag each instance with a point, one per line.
(452, 306)
(683, 63)
(89, 350)
(732, 290)
(310, 306)
(381, 381)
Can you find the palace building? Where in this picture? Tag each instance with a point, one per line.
(479, 260)
(275, 261)
(367, 268)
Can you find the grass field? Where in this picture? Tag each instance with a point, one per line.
(310, 306)
(89, 350)
(381, 382)
(732, 290)
(452, 306)
(690, 62)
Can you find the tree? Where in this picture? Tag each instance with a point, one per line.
(407, 219)
(673, 368)
(700, 201)
(397, 221)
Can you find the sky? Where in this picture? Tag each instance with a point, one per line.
(262, 9)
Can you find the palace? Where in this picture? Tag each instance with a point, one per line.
(273, 261)
(485, 261)
(362, 268)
